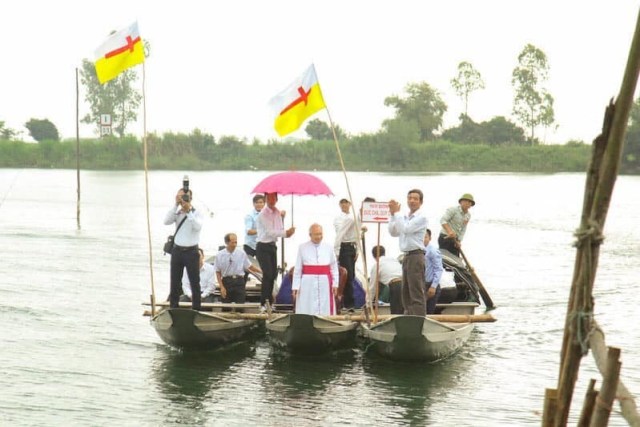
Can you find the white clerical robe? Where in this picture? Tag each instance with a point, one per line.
(314, 276)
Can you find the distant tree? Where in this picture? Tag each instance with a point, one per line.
(394, 140)
(320, 131)
(42, 130)
(500, 131)
(467, 132)
(5, 132)
(116, 97)
(423, 106)
(466, 82)
(497, 131)
(532, 104)
(631, 151)
(230, 141)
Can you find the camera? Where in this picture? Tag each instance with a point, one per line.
(185, 188)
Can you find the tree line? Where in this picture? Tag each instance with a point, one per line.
(403, 141)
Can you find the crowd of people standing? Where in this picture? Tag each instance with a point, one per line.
(411, 286)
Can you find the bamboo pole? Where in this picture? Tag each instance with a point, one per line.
(550, 406)
(146, 190)
(599, 353)
(445, 318)
(604, 400)
(598, 192)
(587, 405)
(356, 221)
(78, 149)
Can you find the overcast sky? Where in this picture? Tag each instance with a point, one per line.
(214, 65)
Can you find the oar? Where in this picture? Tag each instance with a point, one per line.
(483, 292)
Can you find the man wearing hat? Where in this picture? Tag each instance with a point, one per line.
(454, 224)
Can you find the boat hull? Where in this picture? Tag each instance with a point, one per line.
(189, 329)
(416, 338)
(307, 334)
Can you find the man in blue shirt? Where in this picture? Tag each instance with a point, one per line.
(251, 225)
(432, 273)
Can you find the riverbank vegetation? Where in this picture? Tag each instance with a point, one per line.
(199, 151)
(413, 140)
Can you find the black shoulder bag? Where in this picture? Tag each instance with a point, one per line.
(168, 245)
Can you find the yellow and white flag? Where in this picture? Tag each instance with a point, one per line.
(295, 104)
(122, 50)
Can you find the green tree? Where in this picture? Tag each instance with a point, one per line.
(500, 131)
(497, 131)
(532, 104)
(423, 106)
(631, 151)
(116, 97)
(466, 82)
(5, 132)
(320, 131)
(42, 130)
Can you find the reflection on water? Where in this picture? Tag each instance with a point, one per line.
(188, 380)
(411, 391)
(303, 377)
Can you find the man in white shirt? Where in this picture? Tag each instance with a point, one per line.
(410, 229)
(345, 249)
(185, 249)
(387, 272)
(230, 267)
(315, 276)
(207, 282)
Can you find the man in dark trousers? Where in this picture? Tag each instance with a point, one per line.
(345, 249)
(270, 227)
(185, 248)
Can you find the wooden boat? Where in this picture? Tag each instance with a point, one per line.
(416, 338)
(308, 334)
(188, 329)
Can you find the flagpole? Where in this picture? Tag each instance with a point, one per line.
(78, 149)
(146, 188)
(353, 210)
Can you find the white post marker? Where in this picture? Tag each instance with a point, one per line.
(105, 124)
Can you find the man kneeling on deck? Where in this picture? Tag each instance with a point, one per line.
(207, 282)
(231, 265)
(315, 276)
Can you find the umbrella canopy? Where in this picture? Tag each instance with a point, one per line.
(298, 183)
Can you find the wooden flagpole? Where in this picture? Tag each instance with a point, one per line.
(78, 149)
(146, 188)
(356, 221)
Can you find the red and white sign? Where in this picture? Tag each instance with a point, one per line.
(375, 212)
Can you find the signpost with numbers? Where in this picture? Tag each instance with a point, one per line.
(105, 124)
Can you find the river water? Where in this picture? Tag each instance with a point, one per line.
(76, 349)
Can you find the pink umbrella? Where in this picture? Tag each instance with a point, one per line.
(294, 183)
(298, 183)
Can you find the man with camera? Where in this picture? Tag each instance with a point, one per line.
(188, 222)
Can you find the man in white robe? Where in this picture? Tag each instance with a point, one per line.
(315, 276)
